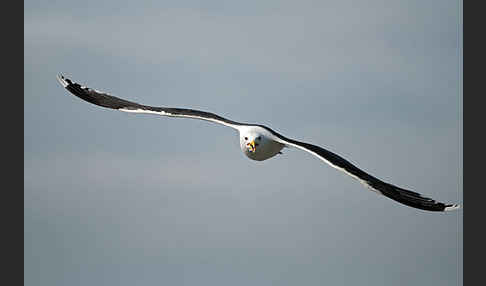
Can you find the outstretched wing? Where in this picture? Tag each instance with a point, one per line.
(398, 194)
(105, 100)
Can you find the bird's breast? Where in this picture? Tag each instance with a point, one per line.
(264, 151)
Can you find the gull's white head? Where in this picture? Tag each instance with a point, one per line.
(257, 145)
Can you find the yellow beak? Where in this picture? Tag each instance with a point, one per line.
(251, 146)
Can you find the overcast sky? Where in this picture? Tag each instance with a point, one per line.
(121, 199)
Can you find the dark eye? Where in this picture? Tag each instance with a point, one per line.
(259, 138)
(246, 138)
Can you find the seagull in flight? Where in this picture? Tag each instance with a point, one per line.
(260, 143)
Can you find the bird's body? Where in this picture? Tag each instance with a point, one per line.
(265, 146)
(260, 143)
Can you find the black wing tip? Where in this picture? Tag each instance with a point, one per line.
(64, 81)
(412, 199)
(74, 87)
(452, 207)
(82, 92)
(425, 203)
(96, 97)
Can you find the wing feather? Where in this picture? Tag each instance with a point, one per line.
(106, 100)
(393, 192)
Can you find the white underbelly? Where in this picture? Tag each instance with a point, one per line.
(265, 151)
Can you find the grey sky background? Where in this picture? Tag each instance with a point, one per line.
(120, 199)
